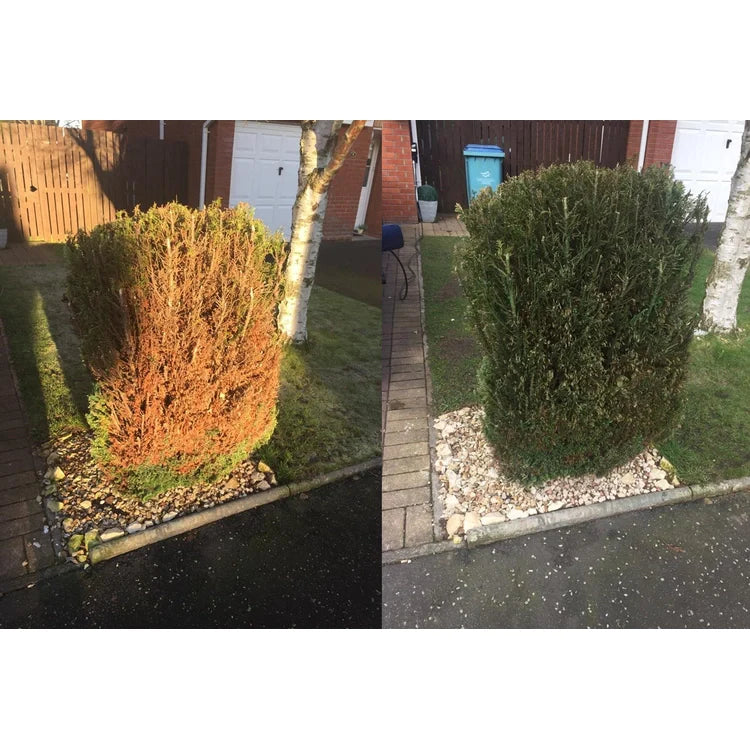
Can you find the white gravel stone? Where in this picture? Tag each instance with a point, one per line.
(454, 481)
(454, 524)
(444, 451)
(472, 479)
(169, 516)
(515, 513)
(451, 502)
(628, 478)
(472, 520)
(662, 484)
(133, 527)
(108, 534)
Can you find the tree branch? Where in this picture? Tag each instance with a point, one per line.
(321, 179)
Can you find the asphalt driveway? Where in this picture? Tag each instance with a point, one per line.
(681, 566)
(305, 562)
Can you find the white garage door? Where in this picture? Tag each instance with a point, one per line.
(705, 156)
(265, 162)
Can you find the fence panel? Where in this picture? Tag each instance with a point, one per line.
(528, 144)
(55, 181)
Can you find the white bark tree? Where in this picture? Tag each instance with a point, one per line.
(732, 255)
(322, 153)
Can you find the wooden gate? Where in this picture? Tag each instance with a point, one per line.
(55, 181)
(528, 144)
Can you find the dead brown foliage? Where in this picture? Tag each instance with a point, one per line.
(177, 311)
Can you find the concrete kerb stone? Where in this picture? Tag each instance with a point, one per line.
(153, 534)
(572, 516)
(409, 553)
(582, 514)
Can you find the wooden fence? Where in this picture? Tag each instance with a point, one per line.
(528, 144)
(55, 181)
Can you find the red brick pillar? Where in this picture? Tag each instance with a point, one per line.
(399, 195)
(660, 142)
(633, 149)
(219, 161)
(346, 188)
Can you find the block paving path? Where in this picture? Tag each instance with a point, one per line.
(407, 469)
(445, 225)
(24, 547)
(407, 505)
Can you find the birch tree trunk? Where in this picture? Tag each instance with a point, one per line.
(322, 153)
(725, 280)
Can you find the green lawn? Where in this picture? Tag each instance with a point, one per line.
(712, 440)
(453, 352)
(329, 407)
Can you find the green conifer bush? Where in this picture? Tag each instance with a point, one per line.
(577, 280)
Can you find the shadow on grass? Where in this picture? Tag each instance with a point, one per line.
(44, 349)
(329, 405)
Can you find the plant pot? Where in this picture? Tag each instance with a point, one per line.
(3, 239)
(428, 210)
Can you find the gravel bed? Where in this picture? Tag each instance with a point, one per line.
(87, 509)
(473, 491)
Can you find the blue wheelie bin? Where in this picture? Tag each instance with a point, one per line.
(484, 168)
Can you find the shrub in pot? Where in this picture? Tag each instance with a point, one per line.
(577, 281)
(177, 313)
(427, 198)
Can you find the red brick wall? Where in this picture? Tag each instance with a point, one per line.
(374, 218)
(399, 197)
(345, 189)
(219, 161)
(660, 142)
(635, 131)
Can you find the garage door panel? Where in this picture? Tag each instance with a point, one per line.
(267, 214)
(245, 144)
(704, 158)
(270, 145)
(266, 179)
(265, 163)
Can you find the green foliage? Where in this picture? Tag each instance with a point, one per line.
(577, 280)
(427, 193)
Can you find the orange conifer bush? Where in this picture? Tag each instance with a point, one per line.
(177, 314)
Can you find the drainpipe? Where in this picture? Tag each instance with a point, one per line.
(161, 130)
(418, 166)
(644, 140)
(204, 155)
